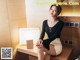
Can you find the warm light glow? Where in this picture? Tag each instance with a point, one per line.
(70, 14)
(28, 34)
(69, 10)
(37, 10)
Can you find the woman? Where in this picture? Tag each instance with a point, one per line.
(53, 27)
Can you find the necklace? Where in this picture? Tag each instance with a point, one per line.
(50, 29)
(51, 25)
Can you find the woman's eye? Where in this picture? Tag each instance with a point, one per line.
(55, 10)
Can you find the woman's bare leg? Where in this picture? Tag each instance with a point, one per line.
(40, 54)
(51, 51)
(47, 57)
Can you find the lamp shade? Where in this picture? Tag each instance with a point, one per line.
(28, 34)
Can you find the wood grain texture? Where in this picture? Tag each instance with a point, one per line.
(17, 19)
(12, 17)
(70, 10)
(5, 37)
(73, 34)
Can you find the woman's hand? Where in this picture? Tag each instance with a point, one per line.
(39, 43)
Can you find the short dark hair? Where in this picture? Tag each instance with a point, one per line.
(59, 8)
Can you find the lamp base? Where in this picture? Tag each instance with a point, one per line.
(29, 44)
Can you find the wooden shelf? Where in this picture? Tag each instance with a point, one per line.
(33, 52)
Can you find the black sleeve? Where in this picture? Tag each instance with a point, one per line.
(43, 31)
(57, 33)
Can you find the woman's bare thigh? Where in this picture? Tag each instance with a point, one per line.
(51, 51)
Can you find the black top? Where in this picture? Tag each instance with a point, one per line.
(52, 32)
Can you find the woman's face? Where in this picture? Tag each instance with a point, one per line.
(53, 11)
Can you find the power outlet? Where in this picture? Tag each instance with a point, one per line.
(77, 24)
(68, 42)
(67, 24)
(65, 42)
(72, 24)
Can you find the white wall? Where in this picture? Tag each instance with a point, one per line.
(37, 11)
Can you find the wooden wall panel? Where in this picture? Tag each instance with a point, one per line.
(76, 42)
(12, 17)
(73, 34)
(17, 19)
(70, 10)
(16, 13)
(71, 0)
(4, 25)
(59, 0)
(66, 33)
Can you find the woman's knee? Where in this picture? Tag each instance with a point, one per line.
(46, 57)
(40, 49)
(52, 50)
(52, 53)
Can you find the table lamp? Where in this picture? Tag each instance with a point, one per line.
(29, 36)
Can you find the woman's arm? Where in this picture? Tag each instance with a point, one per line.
(39, 43)
(43, 31)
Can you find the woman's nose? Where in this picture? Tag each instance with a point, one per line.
(52, 11)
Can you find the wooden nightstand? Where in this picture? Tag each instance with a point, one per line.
(31, 54)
